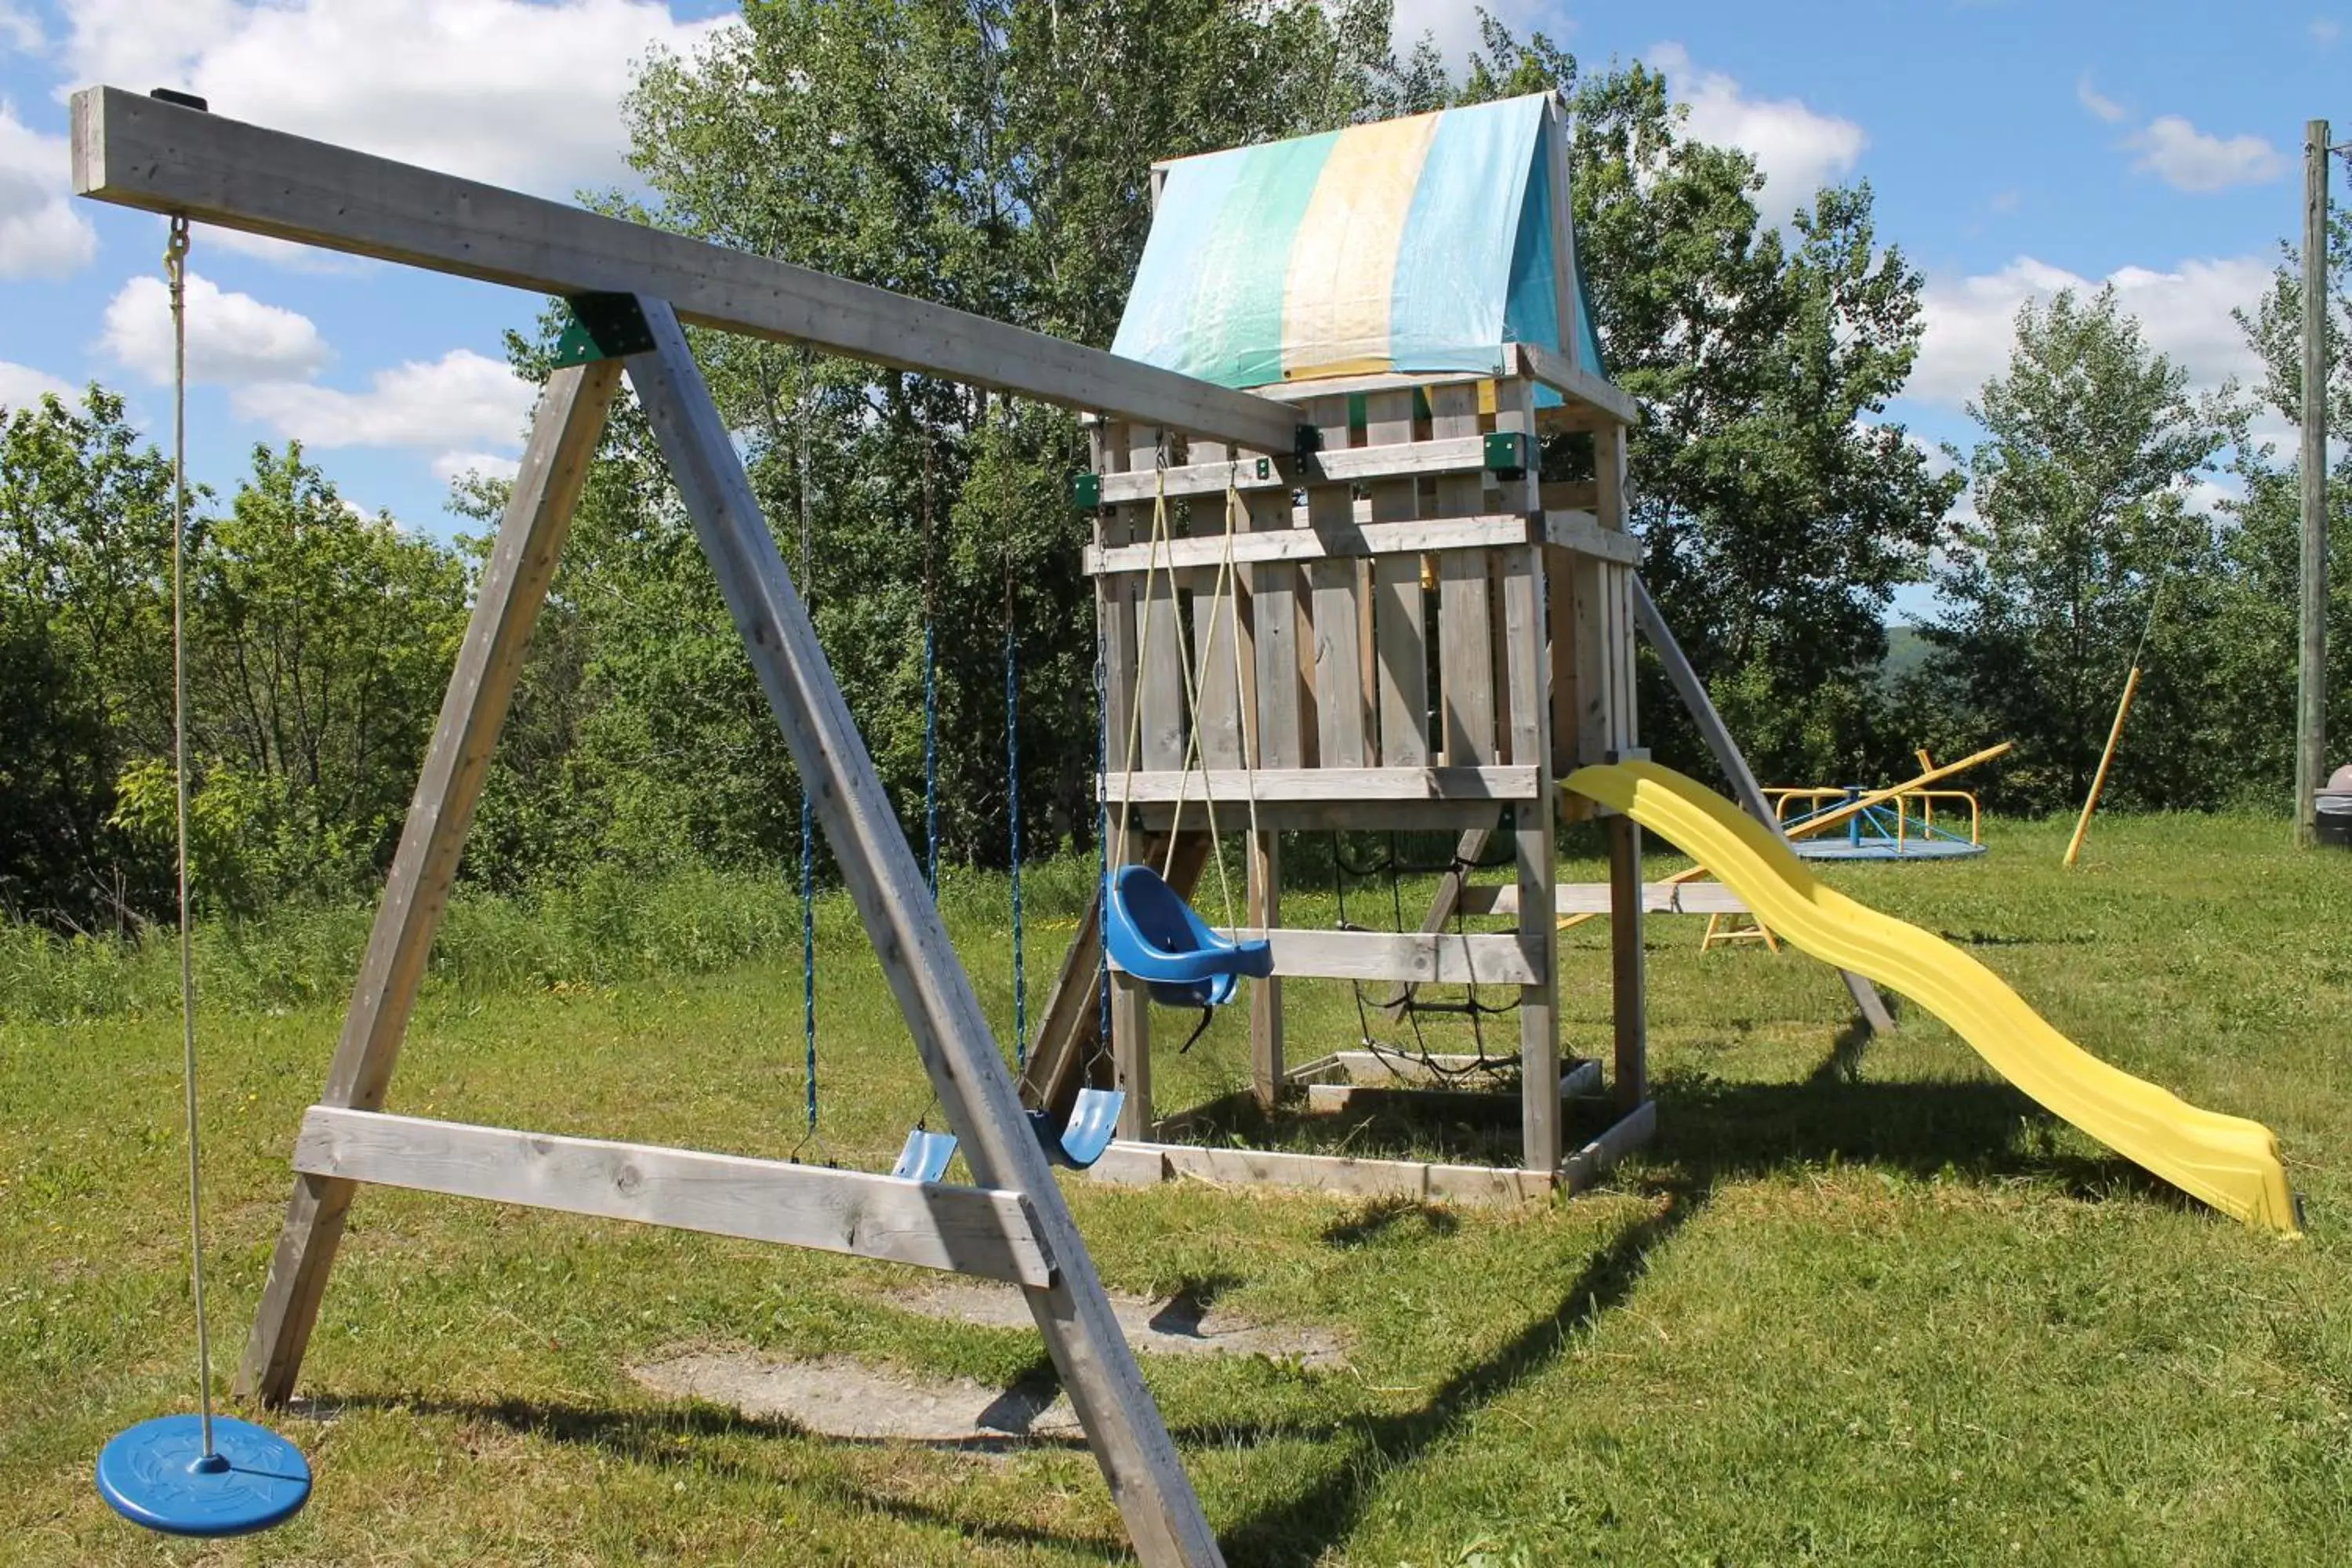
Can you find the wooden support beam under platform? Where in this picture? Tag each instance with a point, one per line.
(1365, 1068)
(139, 151)
(1581, 1081)
(1140, 1165)
(1592, 898)
(965, 1230)
(1136, 1163)
(1419, 958)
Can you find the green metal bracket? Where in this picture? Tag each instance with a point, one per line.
(1086, 491)
(604, 326)
(1308, 441)
(1508, 454)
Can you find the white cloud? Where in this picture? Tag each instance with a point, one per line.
(2325, 31)
(2189, 160)
(19, 29)
(505, 90)
(1452, 25)
(450, 467)
(21, 386)
(1970, 323)
(2090, 98)
(41, 236)
(1798, 150)
(233, 339)
(457, 403)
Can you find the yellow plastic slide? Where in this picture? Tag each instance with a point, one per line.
(2225, 1161)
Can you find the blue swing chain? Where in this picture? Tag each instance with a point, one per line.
(808, 821)
(930, 757)
(808, 950)
(1102, 836)
(1012, 807)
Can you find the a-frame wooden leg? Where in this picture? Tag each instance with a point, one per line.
(562, 440)
(958, 1050)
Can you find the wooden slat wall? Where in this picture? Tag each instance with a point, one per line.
(1216, 628)
(1158, 690)
(1535, 872)
(1341, 716)
(1609, 451)
(1399, 628)
(1592, 630)
(1465, 634)
(1115, 602)
(1160, 686)
(1277, 702)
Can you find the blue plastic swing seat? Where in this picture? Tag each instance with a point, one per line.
(1081, 1140)
(925, 1158)
(1155, 936)
(156, 1474)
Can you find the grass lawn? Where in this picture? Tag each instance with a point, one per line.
(1859, 1308)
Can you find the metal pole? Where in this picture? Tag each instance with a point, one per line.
(2311, 682)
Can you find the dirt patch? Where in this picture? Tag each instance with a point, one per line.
(840, 1397)
(1180, 1325)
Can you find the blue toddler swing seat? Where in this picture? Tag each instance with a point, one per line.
(1155, 936)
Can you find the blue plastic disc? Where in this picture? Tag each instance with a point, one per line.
(156, 1474)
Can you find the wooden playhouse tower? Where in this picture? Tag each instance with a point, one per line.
(1431, 635)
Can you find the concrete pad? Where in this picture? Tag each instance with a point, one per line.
(1177, 1326)
(837, 1396)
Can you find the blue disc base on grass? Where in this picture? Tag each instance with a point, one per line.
(155, 1474)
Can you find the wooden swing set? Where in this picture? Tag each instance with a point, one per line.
(1330, 703)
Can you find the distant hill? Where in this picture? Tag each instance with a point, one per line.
(1908, 648)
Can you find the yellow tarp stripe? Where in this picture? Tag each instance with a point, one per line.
(1343, 258)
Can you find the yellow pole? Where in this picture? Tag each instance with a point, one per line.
(2107, 758)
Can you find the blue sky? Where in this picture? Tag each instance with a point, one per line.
(2014, 148)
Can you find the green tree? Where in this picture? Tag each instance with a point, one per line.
(1780, 508)
(2257, 663)
(85, 660)
(991, 156)
(318, 644)
(2083, 529)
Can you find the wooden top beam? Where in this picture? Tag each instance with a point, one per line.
(1565, 377)
(139, 151)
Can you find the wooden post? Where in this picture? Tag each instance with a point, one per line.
(563, 437)
(2311, 677)
(1153, 680)
(1399, 635)
(1265, 995)
(952, 1033)
(1276, 709)
(1535, 861)
(1629, 1001)
(1727, 756)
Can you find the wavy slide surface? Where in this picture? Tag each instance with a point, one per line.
(2224, 1161)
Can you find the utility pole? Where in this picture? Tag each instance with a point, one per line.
(2311, 682)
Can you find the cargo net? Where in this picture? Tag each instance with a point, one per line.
(1410, 1011)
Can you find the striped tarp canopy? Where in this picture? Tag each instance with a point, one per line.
(1416, 244)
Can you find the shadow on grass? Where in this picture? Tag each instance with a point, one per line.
(680, 1435)
(1715, 1130)
(1299, 1530)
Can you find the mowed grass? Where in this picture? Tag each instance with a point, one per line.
(1862, 1306)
